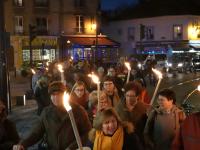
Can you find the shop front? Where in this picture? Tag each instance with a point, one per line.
(86, 48)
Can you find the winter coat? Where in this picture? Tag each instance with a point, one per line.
(188, 137)
(131, 140)
(8, 135)
(83, 101)
(42, 97)
(161, 128)
(137, 116)
(56, 124)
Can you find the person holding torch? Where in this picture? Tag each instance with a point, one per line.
(55, 123)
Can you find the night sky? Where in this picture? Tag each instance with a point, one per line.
(112, 4)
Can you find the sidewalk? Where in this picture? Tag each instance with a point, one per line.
(23, 116)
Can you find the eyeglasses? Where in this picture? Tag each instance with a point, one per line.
(107, 83)
(79, 90)
(130, 96)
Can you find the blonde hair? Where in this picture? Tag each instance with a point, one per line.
(103, 115)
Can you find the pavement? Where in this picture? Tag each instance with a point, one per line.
(24, 116)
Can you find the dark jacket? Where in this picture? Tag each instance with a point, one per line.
(56, 124)
(8, 135)
(131, 141)
(188, 137)
(42, 97)
(138, 116)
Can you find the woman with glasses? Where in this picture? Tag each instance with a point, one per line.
(80, 94)
(130, 109)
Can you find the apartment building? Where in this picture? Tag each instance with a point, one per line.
(156, 35)
(56, 21)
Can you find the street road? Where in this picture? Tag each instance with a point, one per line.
(183, 84)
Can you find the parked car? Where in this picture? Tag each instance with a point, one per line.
(196, 64)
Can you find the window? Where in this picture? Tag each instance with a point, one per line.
(19, 3)
(119, 31)
(79, 3)
(178, 32)
(42, 25)
(18, 24)
(131, 33)
(41, 3)
(79, 24)
(149, 32)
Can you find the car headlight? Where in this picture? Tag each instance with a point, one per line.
(180, 64)
(169, 64)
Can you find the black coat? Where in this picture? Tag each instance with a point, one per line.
(8, 135)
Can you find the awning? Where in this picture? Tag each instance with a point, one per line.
(89, 41)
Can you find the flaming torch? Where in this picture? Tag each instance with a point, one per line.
(95, 79)
(60, 68)
(129, 71)
(33, 71)
(197, 89)
(71, 116)
(159, 74)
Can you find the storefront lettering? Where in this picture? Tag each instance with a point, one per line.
(39, 42)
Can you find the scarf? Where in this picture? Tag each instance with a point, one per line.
(114, 142)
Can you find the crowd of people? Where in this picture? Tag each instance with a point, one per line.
(121, 118)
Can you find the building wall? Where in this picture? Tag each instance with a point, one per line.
(163, 29)
(61, 16)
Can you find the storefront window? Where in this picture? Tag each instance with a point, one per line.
(38, 55)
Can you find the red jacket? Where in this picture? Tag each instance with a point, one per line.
(188, 137)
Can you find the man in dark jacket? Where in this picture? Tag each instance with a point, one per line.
(55, 123)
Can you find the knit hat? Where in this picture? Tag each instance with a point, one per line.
(56, 86)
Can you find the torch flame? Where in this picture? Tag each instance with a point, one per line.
(66, 101)
(94, 77)
(33, 71)
(47, 63)
(158, 73)
(128, 65)
(198, 88)
(60, 68)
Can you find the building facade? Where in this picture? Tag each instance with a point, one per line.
(156, 35)
(53, 19)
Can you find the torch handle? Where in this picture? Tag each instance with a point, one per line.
(98, 96)
(77, 136)
(128, 77)
(155, 92)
